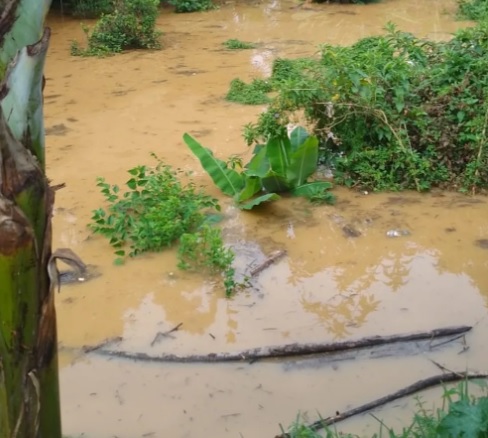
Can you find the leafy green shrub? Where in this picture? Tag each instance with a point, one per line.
(130, 26)
(281, 165)
(392, 111)
(249, 94)
(153, 213)
(234, 44)
(473, 9)
(156, 211)
(182, 6)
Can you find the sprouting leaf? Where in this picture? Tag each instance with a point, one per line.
(253, 186)
(259, 164)
(278, 151)
(227, 180)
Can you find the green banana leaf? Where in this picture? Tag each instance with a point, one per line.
(228, 180)
(313, 190)
(259, 165)
(303, 162)
(252, 186)
(298, 137)
(259, 200)
(274, 183)
(278, 151)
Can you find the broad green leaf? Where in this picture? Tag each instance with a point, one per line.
(259, 164)
(274, 183)
(465, 420)
(253, 186)
(259, 200)
(312, 190)
(303, 162)
(297, 137)
(278, 151)
(227, 180)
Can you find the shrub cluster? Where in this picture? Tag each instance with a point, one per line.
(391, 111)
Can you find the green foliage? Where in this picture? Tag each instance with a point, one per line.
(392, 111)
(154, 212)
(461, 416)
(204, 250)
(234, 44)
(473, 9)
(130, 26)
(281, 165)
(191, 5)
(254, 93)
(90, 8)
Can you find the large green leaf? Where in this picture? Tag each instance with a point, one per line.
(259, 200)
(278, 151)
(275, 183)
(297, 137)
(227, 180)
(303, 162)
(259, 164)
(313, 191)
(253, 185)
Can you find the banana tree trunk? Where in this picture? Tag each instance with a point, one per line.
(29, 388)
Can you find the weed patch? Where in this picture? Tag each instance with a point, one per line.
(391, 112)
(156, 211)
(473, 10)
(234, 44)
(131, 25)
(182, 6)
(254, 93)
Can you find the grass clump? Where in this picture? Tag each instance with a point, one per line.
(392, 112)
(182, 6)
(461, 416)
(131, 25)
(235, 44)
(155, 212)
(254, 93)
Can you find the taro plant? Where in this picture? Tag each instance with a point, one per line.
(283, 164)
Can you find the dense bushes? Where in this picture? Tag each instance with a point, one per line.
(392, 111)
(131, 25)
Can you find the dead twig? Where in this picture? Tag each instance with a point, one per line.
(160, 335)
(289, 350)
(104, 343)
(276, 255)
(408, 390)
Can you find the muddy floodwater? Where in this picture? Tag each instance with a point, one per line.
(104, 116)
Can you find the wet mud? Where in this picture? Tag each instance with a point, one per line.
(341, 277)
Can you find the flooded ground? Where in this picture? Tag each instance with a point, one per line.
(104, 116)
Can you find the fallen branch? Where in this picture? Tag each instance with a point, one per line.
(408, 390)
(269, 261)
(290, 350)
(165, 334)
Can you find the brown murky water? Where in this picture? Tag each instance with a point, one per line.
(106, 115)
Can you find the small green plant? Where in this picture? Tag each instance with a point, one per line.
(131, 25)
(182, 6)
(283, 164)
(205, 250)
(235, 44)
(254, 93)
